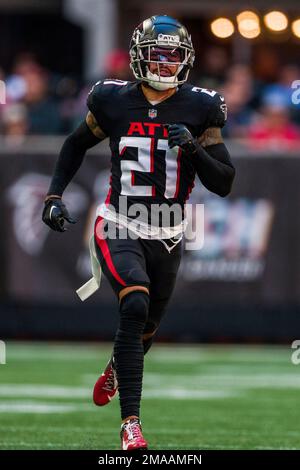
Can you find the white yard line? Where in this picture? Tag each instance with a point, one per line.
(179, 353)
(184, 394)
(71, 393)
(224, 381)
(34, 407)
(42, 390)
(156, 386)
(218, 379)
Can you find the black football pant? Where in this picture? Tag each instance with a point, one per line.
(139, 262)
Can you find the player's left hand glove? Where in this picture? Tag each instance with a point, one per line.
(181, 136)
(55, 213)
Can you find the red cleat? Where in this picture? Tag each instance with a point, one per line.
(106, 386)
(131, 435)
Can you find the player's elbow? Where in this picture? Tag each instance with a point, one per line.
(224, 189)
(224, 192)
(81, 139)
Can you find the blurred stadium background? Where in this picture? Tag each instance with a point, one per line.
(242, 287)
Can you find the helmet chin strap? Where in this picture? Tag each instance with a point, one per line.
(156, 82)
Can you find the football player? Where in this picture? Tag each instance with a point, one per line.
(163, 132)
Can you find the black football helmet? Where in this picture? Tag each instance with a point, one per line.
(164, 41)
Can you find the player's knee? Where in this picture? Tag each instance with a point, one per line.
(135, 306)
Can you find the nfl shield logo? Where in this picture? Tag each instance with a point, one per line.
(152, 113)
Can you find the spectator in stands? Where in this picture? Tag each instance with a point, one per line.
(29, 83)
(266, 64)
(213, 68)
(14, 123)
(117, 65)
(43, 111)
(238, 92)
(273, 128)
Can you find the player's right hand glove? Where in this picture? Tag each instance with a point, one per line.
(55, 213)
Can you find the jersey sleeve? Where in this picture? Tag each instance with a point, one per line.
(217, 112)
(97, 104)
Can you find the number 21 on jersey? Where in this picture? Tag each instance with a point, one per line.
(145, 163)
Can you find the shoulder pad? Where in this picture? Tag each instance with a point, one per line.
(102, 90)
(216, 107)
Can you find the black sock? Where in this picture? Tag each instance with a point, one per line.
(147, 343)
(129, 351)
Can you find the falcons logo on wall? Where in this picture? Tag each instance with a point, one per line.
(26, 195)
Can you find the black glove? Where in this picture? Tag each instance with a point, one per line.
(55, 213)
(181, 136)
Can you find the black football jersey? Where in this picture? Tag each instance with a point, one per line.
(143, 168)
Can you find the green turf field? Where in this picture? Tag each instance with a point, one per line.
(194, 398)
